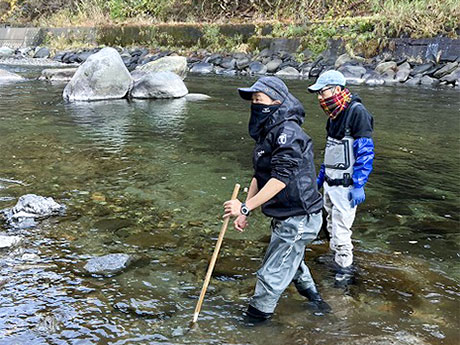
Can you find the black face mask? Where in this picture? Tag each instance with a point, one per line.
(259, 115)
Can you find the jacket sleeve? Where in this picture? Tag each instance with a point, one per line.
(286, 155)
(363, 149)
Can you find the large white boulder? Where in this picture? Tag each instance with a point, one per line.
(102, 76)
(159, 85)
(175, 64)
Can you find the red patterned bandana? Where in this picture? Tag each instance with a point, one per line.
(335, 104)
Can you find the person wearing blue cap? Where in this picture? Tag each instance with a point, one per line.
(348, 161)
(284, 184)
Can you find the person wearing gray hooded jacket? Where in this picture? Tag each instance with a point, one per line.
(284, 184)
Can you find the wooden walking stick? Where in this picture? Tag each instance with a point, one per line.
(213, 259)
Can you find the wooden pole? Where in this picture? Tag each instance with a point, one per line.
(213, 259)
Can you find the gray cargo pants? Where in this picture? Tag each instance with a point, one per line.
(284, 260)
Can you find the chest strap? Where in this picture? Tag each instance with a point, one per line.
(346, 181)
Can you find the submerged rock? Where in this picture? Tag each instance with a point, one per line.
(175, 64)
(159, 85)
(151, 308)
(108, 265)
(31, 207)
(9, 241)
(102, 76)
(7, 77)
(57, 74)
(399, 338)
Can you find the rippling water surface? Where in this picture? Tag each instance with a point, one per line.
(148, 178)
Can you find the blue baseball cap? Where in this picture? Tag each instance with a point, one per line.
(273, 87)
(331, 77)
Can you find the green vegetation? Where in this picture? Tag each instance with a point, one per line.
(363, 25)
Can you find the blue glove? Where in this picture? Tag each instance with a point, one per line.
(320, 178)
(356, 196)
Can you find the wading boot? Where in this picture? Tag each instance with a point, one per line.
(255, 316)
(344, 276)
(321, 306)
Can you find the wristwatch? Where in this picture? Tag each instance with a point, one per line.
(244, 210)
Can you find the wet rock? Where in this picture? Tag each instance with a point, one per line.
(146, 308)
(159, 85)
(420, 69)
(108, 265)
(8, 77)
(102, 76)
(403, 72)
(373, 78)
(57, 74)
(194, 97)
(42, 53)
(428, 81)
(175, 64)
(31, 207)
(389, 77)
(386, 66)
(447, 69)
(257, 67)
(9, 241)
(273, 65)
(6, 52)
(202, 67)
(215, 59)
(83, 56)
(288, 72)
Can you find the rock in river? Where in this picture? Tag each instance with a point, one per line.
(159, 85)
(108, 265)
(9, 241)
(6, 77)
(175, 64)
(57, 74)
(102, 76)
(29, 208)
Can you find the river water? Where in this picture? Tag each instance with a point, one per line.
(148, 178)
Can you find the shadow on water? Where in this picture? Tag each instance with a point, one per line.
(148, 178)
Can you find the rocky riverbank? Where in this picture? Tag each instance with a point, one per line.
(380, 70)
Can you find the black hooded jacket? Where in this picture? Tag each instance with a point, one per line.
(285, 152)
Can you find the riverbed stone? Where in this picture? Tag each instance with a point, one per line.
(447, 69)
(243, 62)
(42, 53)
(102, 76)
(151, 308)
(428, 81)
(57, 74)
(398, 338)
(8, 77)
(175, 64)
(288, 72)
(228, 63)
(202, 67)
(373, 78)
(353, 74)
(342, 60)
(413, 81)
(386, 66)
(403, 72)
(257, 67)
(159, 85)
(273, 65)
(108, 264)
(420, 69)
(194, 97)
(6, 52)
(9, 241)
(452, 78)
(31, 207)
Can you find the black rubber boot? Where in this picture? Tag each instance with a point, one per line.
(254, 315)
(344, 276)
(321, 307)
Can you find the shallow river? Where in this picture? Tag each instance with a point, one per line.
(148, 178)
